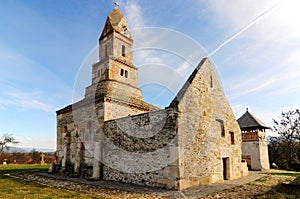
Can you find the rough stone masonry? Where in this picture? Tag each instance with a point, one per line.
(112, 134)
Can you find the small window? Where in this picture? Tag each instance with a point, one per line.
(106, 51)
(232, 138)
(211, 82)
(99, 73)
(222, 127)
(126, 73)
(65, 129)
(123, 50)
(122, 72)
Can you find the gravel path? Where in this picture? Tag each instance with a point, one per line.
(250, 186)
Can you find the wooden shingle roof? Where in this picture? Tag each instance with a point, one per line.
(248, 121)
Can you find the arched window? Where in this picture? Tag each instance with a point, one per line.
(123, 50)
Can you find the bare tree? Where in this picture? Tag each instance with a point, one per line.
(289, 130)
(6, 139)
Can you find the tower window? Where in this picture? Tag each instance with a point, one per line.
(211, 82)
(124, 73)
(232, 138)
(123, 50)
(98, 73)
(105, 51)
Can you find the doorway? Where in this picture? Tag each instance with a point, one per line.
(247, 158)
(225, 168)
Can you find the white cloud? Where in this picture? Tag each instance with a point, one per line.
(136, 20)
(36, 142)
(134, 15)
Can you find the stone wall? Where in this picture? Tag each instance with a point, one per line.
(76, 130)
(139, 149)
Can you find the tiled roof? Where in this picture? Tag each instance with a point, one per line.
(250, 121)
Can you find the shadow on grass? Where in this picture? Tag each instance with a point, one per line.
(12, 169)
(289, 189)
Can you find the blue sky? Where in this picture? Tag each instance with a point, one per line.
(44, 43)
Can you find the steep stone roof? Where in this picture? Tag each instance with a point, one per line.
(189, 81)
(115, 17)
(248, 120)
(115, 21)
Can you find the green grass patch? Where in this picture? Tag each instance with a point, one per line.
(297, 175)
(291, 191)
(285, 174)
(15, 188)
(297, 180)
(263, 179)
(11, 169)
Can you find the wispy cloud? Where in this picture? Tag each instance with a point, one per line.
(25, 100)
(134, 15)
(270, 20)
(246, 90)
(250, 24)
(136, 20)
(262, 51)
(27, 85)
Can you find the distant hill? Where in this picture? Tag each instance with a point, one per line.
(26, 150)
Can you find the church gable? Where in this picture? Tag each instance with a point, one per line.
(207, 130)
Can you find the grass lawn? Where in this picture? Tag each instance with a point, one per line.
(291, 191)
(14, 188)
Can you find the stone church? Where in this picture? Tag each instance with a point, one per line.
(112, 134)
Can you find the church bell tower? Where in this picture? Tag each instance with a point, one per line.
(115, 52)
(114, 77)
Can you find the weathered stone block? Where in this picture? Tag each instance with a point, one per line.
(205, 180)
(168, 183)
(171, 171)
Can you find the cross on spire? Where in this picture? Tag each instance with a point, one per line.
(116, 4)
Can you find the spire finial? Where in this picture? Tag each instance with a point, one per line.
(247, 109)
(116, 4)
